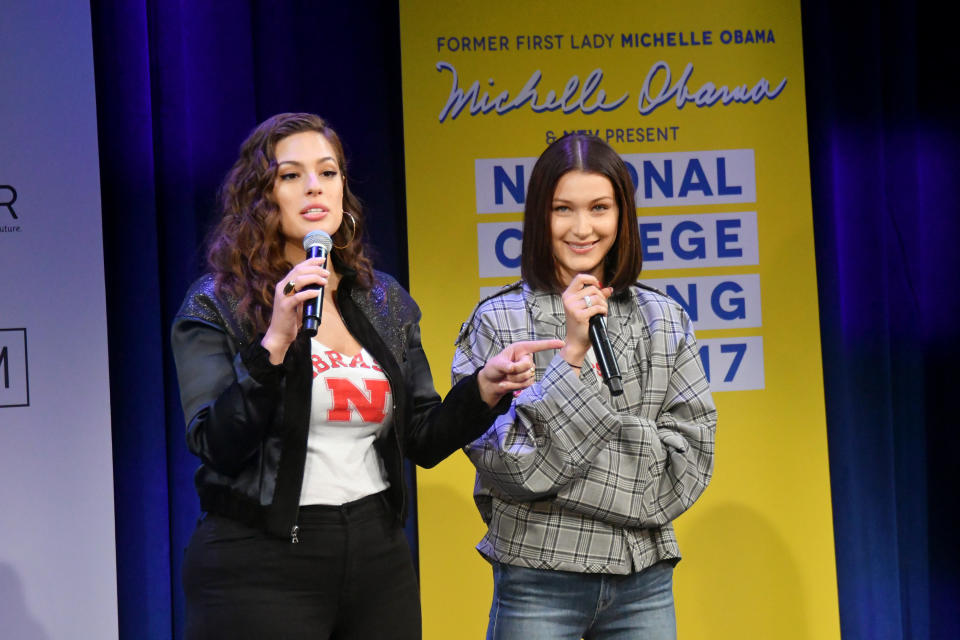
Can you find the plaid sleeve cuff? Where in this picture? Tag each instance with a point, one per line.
(566, 380)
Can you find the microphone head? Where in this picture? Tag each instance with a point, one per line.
(318, 239)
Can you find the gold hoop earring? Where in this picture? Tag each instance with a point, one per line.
(353, 231)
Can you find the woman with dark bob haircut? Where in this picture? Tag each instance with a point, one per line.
(578, 487)
(301, 434)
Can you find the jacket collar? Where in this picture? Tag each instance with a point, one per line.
(547, 307)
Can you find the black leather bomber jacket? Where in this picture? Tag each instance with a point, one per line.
(248, 420)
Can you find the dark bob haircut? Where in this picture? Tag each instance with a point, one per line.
(590, 154)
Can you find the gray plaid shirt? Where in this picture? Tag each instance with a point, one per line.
(571, 478)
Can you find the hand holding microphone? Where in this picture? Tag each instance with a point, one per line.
(585, 305)
(296, 302)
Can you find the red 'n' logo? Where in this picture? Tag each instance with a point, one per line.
(346, 393)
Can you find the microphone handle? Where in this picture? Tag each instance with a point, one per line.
(313, 308)
(601, 349)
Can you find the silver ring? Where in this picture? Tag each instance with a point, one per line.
(587, 300)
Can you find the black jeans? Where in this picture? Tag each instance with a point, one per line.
(350, 576)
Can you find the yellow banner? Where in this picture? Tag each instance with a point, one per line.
(705, 102)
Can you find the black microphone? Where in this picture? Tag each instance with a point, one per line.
(605, 359)
(317, 244)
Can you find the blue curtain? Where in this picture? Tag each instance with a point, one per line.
(179, 85)
(884, 156)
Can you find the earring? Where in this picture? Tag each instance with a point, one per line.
(353, 231)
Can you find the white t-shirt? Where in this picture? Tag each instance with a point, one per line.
(351, 406)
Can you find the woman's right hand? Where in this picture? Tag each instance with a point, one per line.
(511, 370)
(288, 308)
(578, 313)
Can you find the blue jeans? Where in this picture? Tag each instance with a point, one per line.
(539, 604)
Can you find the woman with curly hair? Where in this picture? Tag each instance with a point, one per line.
(302, 438)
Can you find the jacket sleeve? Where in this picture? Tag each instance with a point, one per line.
(229, 400)
(438, 428)
(562, 439)
(686, 429)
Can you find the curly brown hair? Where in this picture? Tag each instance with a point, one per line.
(246, 248)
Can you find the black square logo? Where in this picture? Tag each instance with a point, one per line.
(14, 381)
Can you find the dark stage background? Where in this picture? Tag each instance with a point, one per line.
(180, 84)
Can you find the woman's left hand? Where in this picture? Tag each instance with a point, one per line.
(511, 370)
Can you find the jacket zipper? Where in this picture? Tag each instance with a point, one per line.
(294, 539)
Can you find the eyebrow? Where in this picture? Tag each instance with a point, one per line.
(556, 200)
(300, 164)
